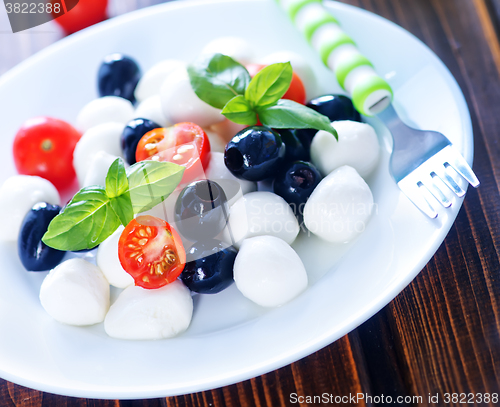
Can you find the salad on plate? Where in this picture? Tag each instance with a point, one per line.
(186, 179)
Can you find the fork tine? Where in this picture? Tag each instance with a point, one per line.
(448, 180)
(433, 187)
(414, 194)
(458, 163)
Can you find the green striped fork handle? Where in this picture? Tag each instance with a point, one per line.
(370, 93)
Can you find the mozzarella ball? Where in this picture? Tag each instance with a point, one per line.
(299, 65)
(104, 137)
(75, 293)
(339, 207)
(261, 213)
(227, 129)
(232, 186)
(357, 147)
(237, 48)
(98, 169)
(104, 110)
(180, 103)
(143, 314)
(18, 194)
(268, 271)
(150, 83)
(216, 143)
(151, 109)
(108, 262)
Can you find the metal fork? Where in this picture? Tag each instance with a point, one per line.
(420, 163)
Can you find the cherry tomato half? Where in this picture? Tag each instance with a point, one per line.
(151, 251)
(44, 146)
(185, 144)
(82, 15)
(296, 91)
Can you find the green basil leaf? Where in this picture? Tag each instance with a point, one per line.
(86, 221)
(287, 114)
(152, 181)
(116, 179)
(239, 111)
(269, 85)
(122, 206)
(217, 79)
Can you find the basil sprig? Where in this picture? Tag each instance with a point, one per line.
(216, 80)
(85, 222)
(269, 85)
(95, 212)
(225, 84)
(150, 182)
(239, 110)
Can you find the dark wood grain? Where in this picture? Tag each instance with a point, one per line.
(493, 8)
(442, 333)
(446, 322)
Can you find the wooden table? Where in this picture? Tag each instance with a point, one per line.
(442, 333)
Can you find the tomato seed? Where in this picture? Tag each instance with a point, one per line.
(170, 257)
(159, 270)
(47, 145)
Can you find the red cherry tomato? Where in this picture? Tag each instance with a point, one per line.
(296, 91)
(151, 251)
(82, 15)
(44, 146)
(185, 144)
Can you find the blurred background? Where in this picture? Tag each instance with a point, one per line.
(15, 48)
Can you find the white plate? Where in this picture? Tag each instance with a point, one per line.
(230, 339)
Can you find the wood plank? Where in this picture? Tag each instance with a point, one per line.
(133, 403)
(493, 7)
(24, 397)
(13, 395)
(5, 397)
(490, 29)
(378, 353)
(332, 370)
(446, 321)
(451, 299)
